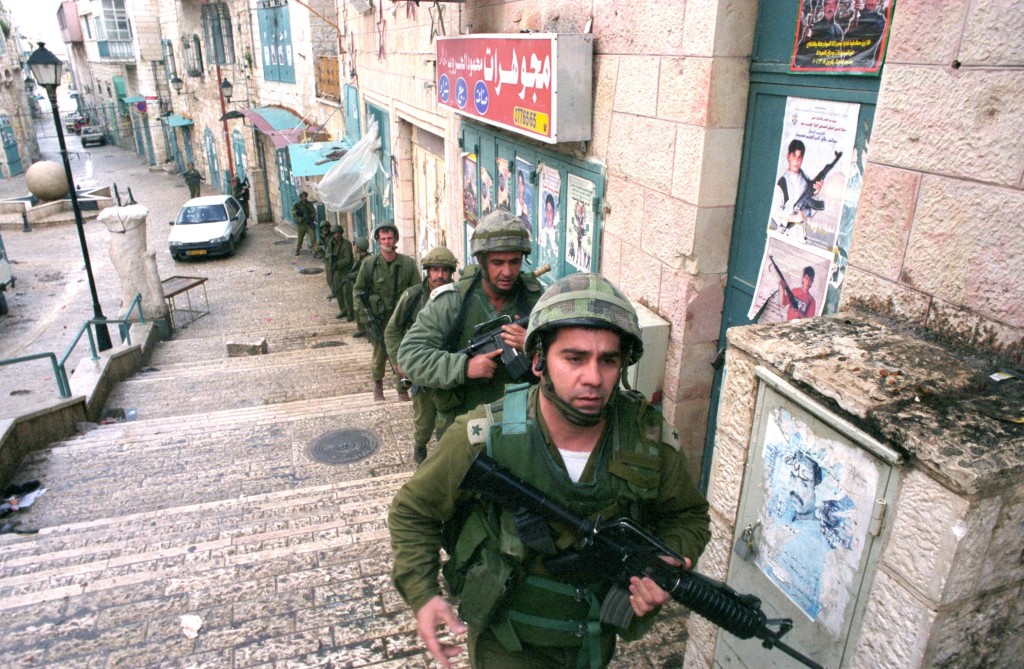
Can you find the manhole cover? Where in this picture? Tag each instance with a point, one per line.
(339, 447)
(282, 242)
(328, 344)
(311, 270)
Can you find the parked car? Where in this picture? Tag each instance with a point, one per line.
(71, 121)
(207, 226)
(6, 277)
(93, 134)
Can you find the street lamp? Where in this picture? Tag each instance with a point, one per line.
(177, 83)
(47, 70)
(226, 89)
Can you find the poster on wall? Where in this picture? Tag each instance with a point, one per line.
(469, 196)
(502, 194)
(815, 518)
(486, 192)
(524, 193)
(579, 238)
(550, 199)
(791, 283)
(841, 36)
(810, 207)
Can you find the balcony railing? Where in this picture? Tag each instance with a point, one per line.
(116, 49)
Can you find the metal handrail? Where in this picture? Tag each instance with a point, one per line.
(59, 368)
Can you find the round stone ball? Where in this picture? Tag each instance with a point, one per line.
(45, 179)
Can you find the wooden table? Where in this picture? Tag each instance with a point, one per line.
(177, 286)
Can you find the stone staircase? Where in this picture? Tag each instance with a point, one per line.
(221, 500)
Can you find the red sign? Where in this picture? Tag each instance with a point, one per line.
(505, 80)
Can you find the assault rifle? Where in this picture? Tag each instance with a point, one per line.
(487, 338)
(797, 303)
(619, 549)
(806, 203)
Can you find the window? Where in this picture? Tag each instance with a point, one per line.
(170, 67)
(88, 27)
(114, 24)
(276, 40)
(220, 44)
(193, 55)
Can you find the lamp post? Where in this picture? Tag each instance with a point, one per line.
(47, 70)
(225, 96)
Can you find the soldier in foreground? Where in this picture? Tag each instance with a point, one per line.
(382, 278)
(439, 264)
(429, 353)
(586, 445)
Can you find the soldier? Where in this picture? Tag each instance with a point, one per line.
(428, 351)
(439, 264)
(586, 445)
(340, 259)
(240, 191)
(323, 236)
(362, 246)
(304, 217)
(381, 280)
(192, 179)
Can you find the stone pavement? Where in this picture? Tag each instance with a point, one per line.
(231, 496)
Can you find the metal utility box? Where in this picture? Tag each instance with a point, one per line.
(648, 374)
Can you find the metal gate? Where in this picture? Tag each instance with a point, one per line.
(10, 143)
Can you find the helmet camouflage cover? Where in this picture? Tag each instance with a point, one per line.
(362, 243)
(439, 256)
(500, 231)
(586, 300)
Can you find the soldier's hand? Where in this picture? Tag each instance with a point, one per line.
(645, 595)
(483, 366)
(429, 618)
(514, 335)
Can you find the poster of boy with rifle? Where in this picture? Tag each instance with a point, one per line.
(791, 284)
(816, 149)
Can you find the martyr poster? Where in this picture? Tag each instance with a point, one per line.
(841, 36)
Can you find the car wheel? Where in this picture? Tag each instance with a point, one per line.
(3, 304)
(177, 257)
(231, 246)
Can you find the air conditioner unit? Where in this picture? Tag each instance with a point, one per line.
(648, 374)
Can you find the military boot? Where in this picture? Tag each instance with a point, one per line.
(419, 453)
(403, 395)
(378, 391)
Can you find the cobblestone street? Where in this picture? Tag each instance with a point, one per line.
(235, 495)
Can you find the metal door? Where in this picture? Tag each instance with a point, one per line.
(238, 147)
(287, 187)
(211, 158)
(771, 85)
(381, 203)
(10, 143)
(428, 191)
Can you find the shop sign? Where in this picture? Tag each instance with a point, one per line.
(538, 85)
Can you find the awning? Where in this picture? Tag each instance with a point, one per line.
(281, 125)
(315, 158)
(176, 120)
(133, 99)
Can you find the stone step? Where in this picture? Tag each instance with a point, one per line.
(146, 465)
(177, 389)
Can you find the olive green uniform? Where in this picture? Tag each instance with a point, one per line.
(382, 283)
(340, 261)
(351, 305)
(427, 354)
(304, 217)
(192, 179)
(240, 191)
(635, 471)
(424, 413)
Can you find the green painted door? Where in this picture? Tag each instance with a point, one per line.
(284, 180)
(381, 192)
(771, 85)
(10, 143)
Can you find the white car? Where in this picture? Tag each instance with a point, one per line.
(207, 226)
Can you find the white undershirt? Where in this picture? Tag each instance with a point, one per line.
(575, 463)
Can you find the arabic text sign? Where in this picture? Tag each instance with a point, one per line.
(513, 81)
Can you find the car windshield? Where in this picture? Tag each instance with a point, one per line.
(207, 213)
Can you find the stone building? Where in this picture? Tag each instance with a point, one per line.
(17, 129)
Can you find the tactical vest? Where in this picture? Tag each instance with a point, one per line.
(498, 572)
(474, 308)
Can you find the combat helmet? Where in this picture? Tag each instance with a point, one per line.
(362, 243)
(500, 231)
(386, 225)
(336, 228)
(439, 256)
(586, 300)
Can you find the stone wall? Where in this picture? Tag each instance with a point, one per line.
(669, 101)
(940, 231)
(945, 590)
